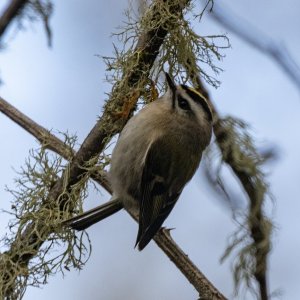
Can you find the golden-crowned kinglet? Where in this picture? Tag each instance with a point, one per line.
(157, 153)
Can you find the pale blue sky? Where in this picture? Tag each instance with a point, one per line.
(63, 89)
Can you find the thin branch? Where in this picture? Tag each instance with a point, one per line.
(10, 13)
(258, 40)
(165, 242)
(204, 287)
(44, 136)
(34, 235)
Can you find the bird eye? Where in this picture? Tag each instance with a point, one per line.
(183, 104)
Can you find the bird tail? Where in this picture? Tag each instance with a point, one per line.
(94, 215)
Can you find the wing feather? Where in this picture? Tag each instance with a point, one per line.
(158, 196)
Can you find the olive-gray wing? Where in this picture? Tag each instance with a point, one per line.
(157, 193)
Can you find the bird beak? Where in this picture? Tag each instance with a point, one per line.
(170, 82)
(172, 87)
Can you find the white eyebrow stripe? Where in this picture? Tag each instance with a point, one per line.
(198, 99)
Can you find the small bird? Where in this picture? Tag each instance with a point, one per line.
(157, 153)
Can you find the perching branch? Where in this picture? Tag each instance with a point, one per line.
(117, 111)
(258, 40)
(203, 286)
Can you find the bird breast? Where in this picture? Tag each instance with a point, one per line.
(153, 122)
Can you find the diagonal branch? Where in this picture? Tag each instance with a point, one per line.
(44, 136)
(145, 53)
(203, 286)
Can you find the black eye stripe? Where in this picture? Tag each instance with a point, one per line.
(198, 99)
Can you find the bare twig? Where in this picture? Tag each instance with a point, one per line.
(34, 235)
(165, 242)
(10, 13)
(44, 136)
(258, 40)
